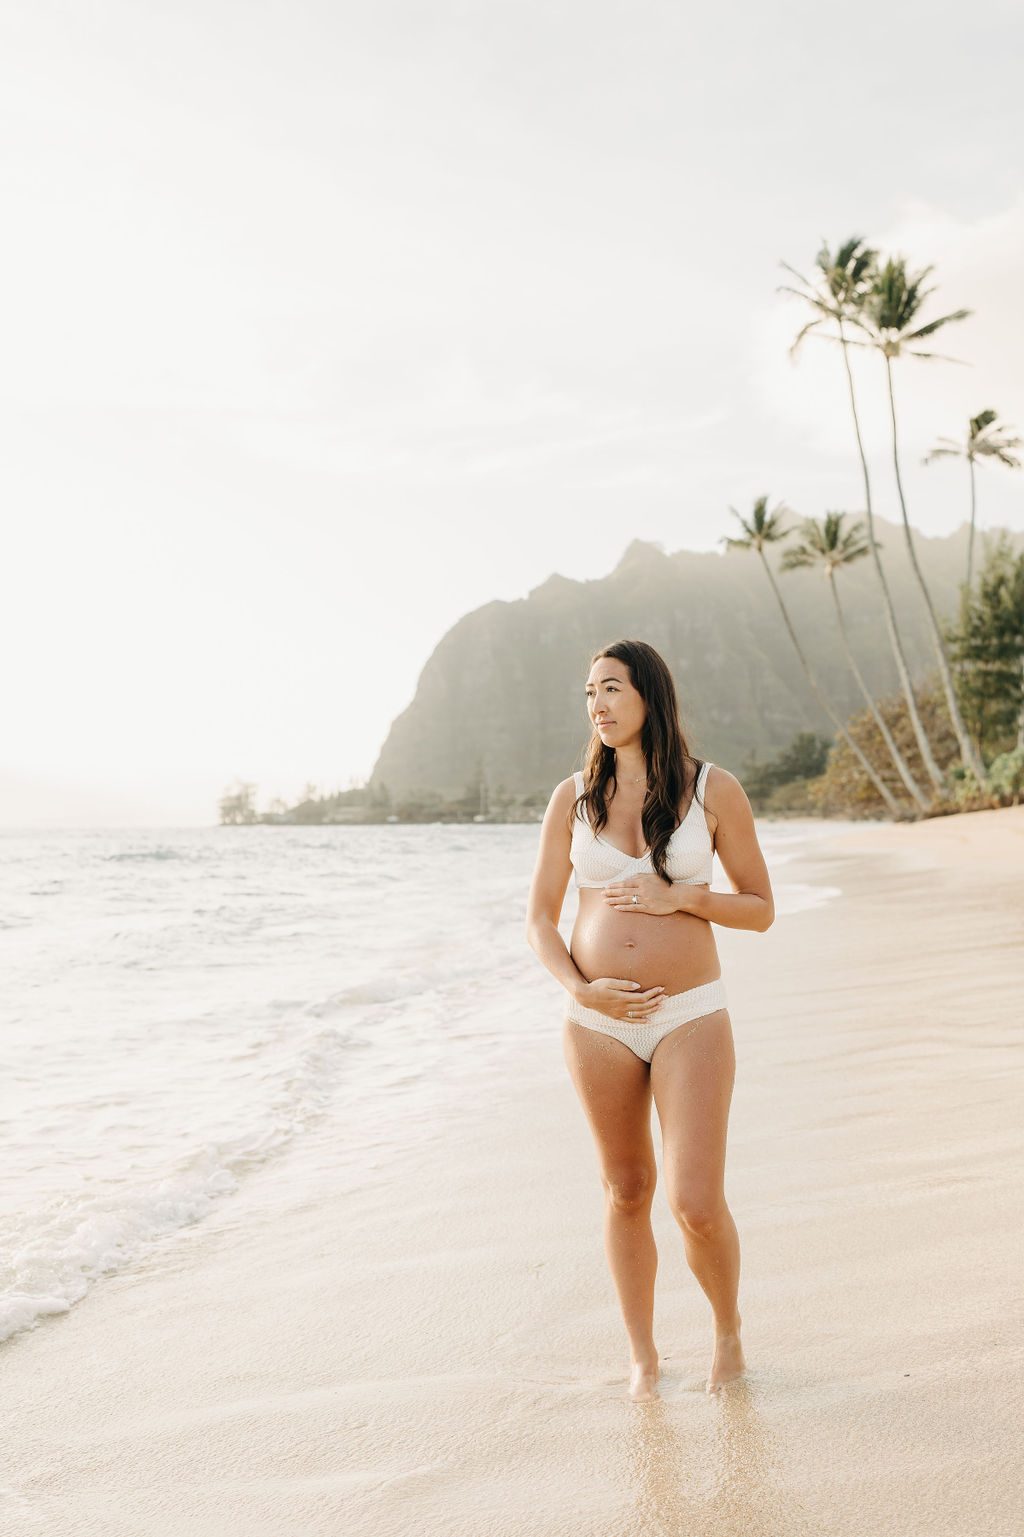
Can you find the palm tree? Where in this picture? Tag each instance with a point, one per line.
(842, 288)
(888, 317)
(985, 440)
(766, 528)
(828, 546)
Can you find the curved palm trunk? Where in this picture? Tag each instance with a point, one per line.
(932, 769)
(880, 786)
(968, 753)
(916, 793)
(970, 536)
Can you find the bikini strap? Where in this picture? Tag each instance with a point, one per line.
(581, 811)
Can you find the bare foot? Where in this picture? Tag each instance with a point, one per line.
(728, 1363)
(643, 1381)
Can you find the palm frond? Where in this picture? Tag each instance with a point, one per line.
(847, 273)
(896, 296)
(944, 449)
(845, 544)
(987, 440)
(813, 299)
(934, 325)
(827, 544)
(934, 357)
(841, 287)
(761, 528)
(1000, 451)
(798, 275)
(797, 557)
(805, 331)
(854, 545)
(848, 252)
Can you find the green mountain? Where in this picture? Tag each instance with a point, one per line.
(502, 695)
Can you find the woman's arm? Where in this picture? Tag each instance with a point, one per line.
(547, 891)
(749, 905)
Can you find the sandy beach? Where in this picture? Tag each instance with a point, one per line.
(437, 1349)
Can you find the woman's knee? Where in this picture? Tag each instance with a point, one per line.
(629, 1188)
(699, 1210)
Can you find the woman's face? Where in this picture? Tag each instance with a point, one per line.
(613, 704)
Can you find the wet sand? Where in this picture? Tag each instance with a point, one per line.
(438, 1350)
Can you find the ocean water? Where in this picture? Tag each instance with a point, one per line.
(184, 1008)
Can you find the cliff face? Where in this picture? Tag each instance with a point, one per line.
(503, 691)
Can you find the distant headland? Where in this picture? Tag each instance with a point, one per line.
(498, 718)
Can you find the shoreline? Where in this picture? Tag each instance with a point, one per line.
(437, 1349)
(774, 818)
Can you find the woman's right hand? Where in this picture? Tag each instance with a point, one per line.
(620, 999)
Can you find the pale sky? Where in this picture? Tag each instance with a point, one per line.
(326, 323)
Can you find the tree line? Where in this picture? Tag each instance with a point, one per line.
(897, 753)
(478, 802)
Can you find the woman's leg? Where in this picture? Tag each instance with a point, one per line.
(614, 1087)
(692, 1076)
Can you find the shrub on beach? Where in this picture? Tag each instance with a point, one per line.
(782, 786)
(845, 790)
(1006, 775)
(987, 643)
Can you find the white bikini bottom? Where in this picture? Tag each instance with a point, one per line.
(674, 1010)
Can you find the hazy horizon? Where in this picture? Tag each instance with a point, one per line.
(335, 323)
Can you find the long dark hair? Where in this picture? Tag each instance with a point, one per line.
(671, 770)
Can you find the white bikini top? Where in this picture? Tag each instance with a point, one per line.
(688, 858)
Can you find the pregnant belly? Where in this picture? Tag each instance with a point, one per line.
(675, 952)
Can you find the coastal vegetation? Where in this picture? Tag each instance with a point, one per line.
(828, 548)
(836, 300)
(373, 804)
(861, 301)
(918, 669)
(789, 783)
(765, 528)
(987, 644)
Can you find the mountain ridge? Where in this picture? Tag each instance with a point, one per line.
(501, 696)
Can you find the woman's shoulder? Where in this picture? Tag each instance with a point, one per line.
(556, 817)
(722, 791)
(565, 793)
(720, 778)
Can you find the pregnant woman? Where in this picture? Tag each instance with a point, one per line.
(647, 1012)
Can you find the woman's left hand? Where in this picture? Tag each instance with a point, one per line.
(642, 894)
